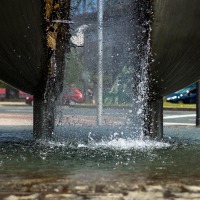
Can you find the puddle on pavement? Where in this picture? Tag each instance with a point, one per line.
(104, 163)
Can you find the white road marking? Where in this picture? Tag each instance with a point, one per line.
(179, 116)
(177, 124)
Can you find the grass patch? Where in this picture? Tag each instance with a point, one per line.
(178, 105)
(165, 105)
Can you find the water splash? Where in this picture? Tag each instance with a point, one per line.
(106, 141)
(128, 144)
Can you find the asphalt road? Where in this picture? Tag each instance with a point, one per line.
(9, 114)
(179, 118)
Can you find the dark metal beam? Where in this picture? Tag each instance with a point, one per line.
(154, 122)
(198, 105)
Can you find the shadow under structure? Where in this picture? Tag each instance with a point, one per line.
(34, 39)
(35, 36)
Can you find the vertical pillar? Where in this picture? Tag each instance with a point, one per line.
(154, 123)
(198, 105)
(43, 114)
(51, 85)
(100, 63)
(157, 118)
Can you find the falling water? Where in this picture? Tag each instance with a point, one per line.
(126, 44)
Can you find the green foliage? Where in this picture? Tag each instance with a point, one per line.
(120, 91)
(2, 84)
(73, 70)
(177, 105)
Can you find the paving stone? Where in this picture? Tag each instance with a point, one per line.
(24, 197)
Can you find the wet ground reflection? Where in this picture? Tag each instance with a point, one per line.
(170, 159)
(100, 161)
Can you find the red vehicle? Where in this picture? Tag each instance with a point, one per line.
(2, 93)
(29, 100)
(70, 96)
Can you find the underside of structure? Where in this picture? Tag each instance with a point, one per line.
(175, 46)
(33, 44)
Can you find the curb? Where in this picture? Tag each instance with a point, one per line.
(180, 109)
(8, 103)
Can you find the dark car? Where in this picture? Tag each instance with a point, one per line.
(186, 95)
(70, 96)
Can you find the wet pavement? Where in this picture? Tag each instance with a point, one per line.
(32, 171)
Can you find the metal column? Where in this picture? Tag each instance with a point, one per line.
(157, 118)
(198, 105)
(44, 117)
(100, 63)
(154, 123)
